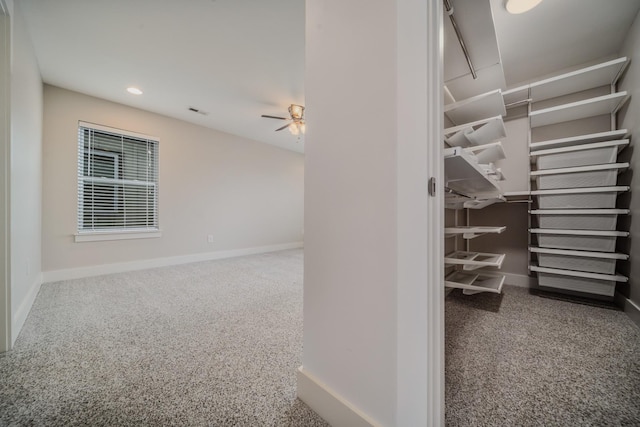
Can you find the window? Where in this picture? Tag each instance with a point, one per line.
(117, 182)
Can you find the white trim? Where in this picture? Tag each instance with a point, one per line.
(5, 177)
(519, 280)
(98, 270)
(420, 220)
(110, 235)
(117, 131)
(335, 409)
(630, 308)
(20, 315)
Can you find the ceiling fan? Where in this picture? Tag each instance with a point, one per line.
(297, 124)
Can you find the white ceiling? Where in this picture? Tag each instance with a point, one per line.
(560, 34)
(235, 59)
(238, 59)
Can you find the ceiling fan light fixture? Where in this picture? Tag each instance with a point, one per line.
(520, 6)
(296, 111)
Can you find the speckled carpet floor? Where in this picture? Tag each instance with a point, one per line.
(208, 344)
(517, 359)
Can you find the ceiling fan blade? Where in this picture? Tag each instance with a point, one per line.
(274, 117)
(284, 127)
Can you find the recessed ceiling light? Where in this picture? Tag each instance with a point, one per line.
(520, 6)
(134, 90)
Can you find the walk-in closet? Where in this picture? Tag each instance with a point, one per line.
(539, 209)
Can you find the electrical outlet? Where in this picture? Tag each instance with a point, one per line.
(210, 238)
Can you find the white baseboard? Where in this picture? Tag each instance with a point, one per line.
(20, 315)
(630, 308)
(520, 280)
(98, 270)
(332, 407)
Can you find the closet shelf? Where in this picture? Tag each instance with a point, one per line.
(517, 196)
(571, 232)
(604, 74)
(474, 260)
(477, 134)
(452, 201)
(583, 274)
(588, 254)
(496, 121)
(476, 108)
(582, 219)
(579, 198)
(471, 232)
(579, 155)
(464, 175)
(575, 169)
(579, 176)
(578, 140)
(587, 261)
(579, 240)
(564, 191)
(606, 104)
(488, 153)
(579, 211)
(574, 244)
(619, 144)
(472, 283)
(594, 283)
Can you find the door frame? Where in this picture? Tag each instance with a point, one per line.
(5, 172)
(420, 215)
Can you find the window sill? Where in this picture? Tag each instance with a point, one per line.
(119, 235)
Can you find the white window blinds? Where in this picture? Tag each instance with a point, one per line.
(117, 180)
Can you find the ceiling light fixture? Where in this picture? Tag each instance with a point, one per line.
(298, 126)
(134, 90)
(296, 111)
(520, 6)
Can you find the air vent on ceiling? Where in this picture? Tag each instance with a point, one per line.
(197, 110)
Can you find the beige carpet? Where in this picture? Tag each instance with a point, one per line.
(207, 344)
(517, 359)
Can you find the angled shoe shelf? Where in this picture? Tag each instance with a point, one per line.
(474, 260)
(471, 232)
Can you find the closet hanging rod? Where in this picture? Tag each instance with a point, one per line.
(449, 8)
(516, 103)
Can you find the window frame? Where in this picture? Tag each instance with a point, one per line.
(92, 234)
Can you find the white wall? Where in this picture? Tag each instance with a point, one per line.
(350, 218)
(245, 193)
(629, 118)
(26, 177)
(513, 242)
(368, 358)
